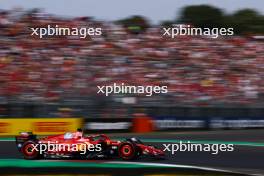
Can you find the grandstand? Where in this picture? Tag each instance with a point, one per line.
(55, 72)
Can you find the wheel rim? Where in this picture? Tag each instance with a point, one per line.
(29, 150)
(127, 150)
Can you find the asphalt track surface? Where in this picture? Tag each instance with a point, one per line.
(247, 157)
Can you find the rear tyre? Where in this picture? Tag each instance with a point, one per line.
(30, 151)
(127, 151)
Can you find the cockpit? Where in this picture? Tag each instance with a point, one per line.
(76, 135)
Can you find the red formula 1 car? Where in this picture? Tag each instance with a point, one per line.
(77, 145)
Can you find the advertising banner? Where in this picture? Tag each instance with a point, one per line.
(174, 123)
(108, 124)
(39, 126)
(179, 123)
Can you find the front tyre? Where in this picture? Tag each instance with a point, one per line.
(30, 150)
(127, 151)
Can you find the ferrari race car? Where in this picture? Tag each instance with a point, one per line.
(77, 145)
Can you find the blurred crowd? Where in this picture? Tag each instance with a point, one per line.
(197, 70)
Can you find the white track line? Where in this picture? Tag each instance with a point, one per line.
(179, 166)
(7, 140)
(169, 165)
